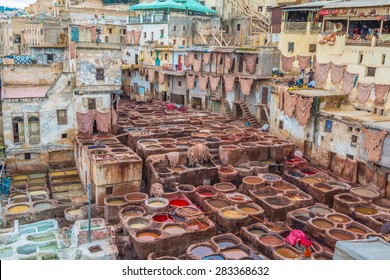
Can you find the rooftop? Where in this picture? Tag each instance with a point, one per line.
(356, 115)
(357, 4)
(24, 92)
(316, 92)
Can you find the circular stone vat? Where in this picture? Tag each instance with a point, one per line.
(188, 211)
(264, 192)
(358, 229)
(42, 205)
(271, 240)
(148, 235)
(147, 142)
(280, 201)
(178, 203)
(119, 201)
(72, 213)
(205, 192)
(225, 187)
(269, 177)
(340, 185)
(286, 253)
(365, 193)
(174, 229)
(202, 251)
(153, 147)
(323, 256)
(235, 253)
(138, 222)
(156, 204)
(218, 203)
(132, 211)
(296, 196)
(18, 208)
(98, 152)
(162, 218)
(232, 213)
(178, 168)
(253, 180)
(197, 225)
(257, 231)
(322, 223)
(323, 187)
(251, 210)
(186, 189)
(366, 210)
(318, 210)
(339, 218)
(136, 197)
(284, 187)
(349, 198)
(238, 197)
(340, 234)
(214, 257)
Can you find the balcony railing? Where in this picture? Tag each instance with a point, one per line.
(358, 42)
(154, 18)
(295, 27)
(315, 27)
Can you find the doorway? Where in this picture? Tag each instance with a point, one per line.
(196, 103)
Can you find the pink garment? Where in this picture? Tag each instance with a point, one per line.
(289, 104)
(206, 57)
(203, 80)
(93, 33)
(380, 93)
(85, 121)
(250, 63)
(364, 92)
(72, 49)
(129, 36)
(196, 65)
(214, 82)
(114, 115)
(303, 61)
(190, 81)
(187, 63)
(322, 72)
(137, 37)
(337, 73)
(151, 73)
(103, 121)
(296, 237)
(303, 109)
(348, 82)
(246, 85)
(229, 82)
(373, 144)
(190, 58)
(228, 62)
(287, 63)
(161, 78)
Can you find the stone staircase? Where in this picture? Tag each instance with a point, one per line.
(228, 111)
(251, 119)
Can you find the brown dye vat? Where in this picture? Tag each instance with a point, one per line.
(271, 240)
(340, 235)
(202, 251)
(323, 257)
(277, 201)
(218, 203)
(224, 187)
(253, 180)
(274, 228)
(339, 218)
(264, 192)
(147, 236)
(226, 170)
(356, 230)
(153, 147)
(296, 197)
(197, 225)
(187, 211)
(284, 187)
(287, 253)
(177, 169)
(323, 224)
(366, 210)
(148, 142)
(235, 253)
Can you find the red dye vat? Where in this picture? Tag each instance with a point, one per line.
(206, 193)
(178, 202)
(161, 218)
(309, 171)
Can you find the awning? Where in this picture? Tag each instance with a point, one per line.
(24, 92)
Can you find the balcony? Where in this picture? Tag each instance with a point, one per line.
(154, 18)
(295, 27)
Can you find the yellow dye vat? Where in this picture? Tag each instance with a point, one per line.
(18, 209)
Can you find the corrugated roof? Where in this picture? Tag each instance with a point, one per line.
(310, 5)
(358, 4)
(24, 92)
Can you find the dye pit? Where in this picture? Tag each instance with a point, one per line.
(185, 185)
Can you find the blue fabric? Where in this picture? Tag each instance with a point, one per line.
(23, 59)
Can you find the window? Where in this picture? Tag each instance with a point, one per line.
(257, 60)
(100, 74)
(62, 117)
(34, 130)
(360, 58)
(144, 35)
(110, 30)
(174, 42)
(27, 156)
(328, 125)
(64, 135)
(238, 27)
(179, 83)
(214, 8)
(91, 104)
(371, 71)
(174, 28)
(166, 56)
(312, 47)
(290, 47)
(184, 42)
(350, 128)
(354, 140)
(383, 59)
(184, 28)
(152, 33)
(50, 58)
(18, 128)
(350, 156)
(162, 33)
(281, 124)
(109, 190)
(259, 9)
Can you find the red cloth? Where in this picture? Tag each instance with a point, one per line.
(190, 81)
(322, 72)
(246, 85)
(214, 82)
(228, 62)
(206, 57)
(348, 82)
(373, 144)
(129, 36)
(85, 121)
(302, 109)
(197, 65)
(137, 37)
(103, 121)
(250, 63)
(289, 104)
(303, 61)
(337, 73)
(364, 92)
(287, 63)
(229, 82)
(151, 73)
(161, 78)
(380, 93)
(203, 80)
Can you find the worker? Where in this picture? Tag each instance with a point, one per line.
(291, 82)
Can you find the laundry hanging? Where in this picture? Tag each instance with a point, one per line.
(246, 85)
(364, 92)
(228, 62)
(348, 82)
(190, 57)
(229, 82)
(85, 121)
(303, 61)
(281, 92)
(322, 72)
(206, 57)
(337, 73)
(380, 93)
(303, 109)
(203, 80)
(129, 36)
(103, 121)
(214, 82)
(151, 73)
(250, 63)
(137, 36)
(187, 63)
(72, 49)
(370, 172)
(161, 78)
(289, 104)
(190, 79)
(197, 65)
(287, 63)
(373, 144)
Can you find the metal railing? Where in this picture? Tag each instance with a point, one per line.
(295, 27)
